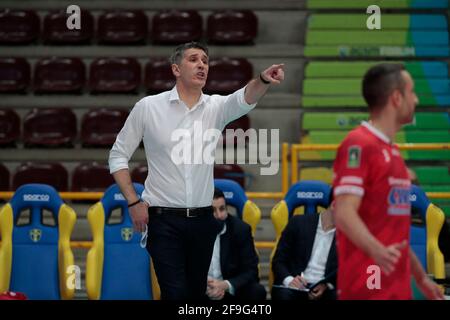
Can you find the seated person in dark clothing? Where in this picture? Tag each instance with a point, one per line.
(233, 273)
(305, 261)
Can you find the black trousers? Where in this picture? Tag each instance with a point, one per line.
(181, 250)
(288, 294)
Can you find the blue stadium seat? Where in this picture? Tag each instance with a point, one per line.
(235, 196)
(117, 268)
(35, 258)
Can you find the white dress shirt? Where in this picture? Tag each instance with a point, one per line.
(153, 120)
(315, 270)
(215, 270)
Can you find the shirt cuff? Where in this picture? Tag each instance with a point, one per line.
(230, 288)
(330, 286)
(241, 100)
(287, 280)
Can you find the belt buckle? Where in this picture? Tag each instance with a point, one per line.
(188, 213)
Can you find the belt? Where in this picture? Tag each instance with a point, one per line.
(181, 212)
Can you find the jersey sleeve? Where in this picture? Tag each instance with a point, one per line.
(351, 166)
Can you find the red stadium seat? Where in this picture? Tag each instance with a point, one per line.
(9, 127)
(4, 178)
(122, 27)
(121, 75)
(159, 76)
(232, 27)
(18, 26)
(227, 75)
(241, 123)
(56, 31)
(52, 127)
(139, 174)
(59, 75)
(99, 127)
(14, 74)
(230, 171)
(92, 176)
(54, 174)
(176, 26)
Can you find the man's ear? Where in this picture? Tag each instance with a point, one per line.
(397, 97)
(175, 70)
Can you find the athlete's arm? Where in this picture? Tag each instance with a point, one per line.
(349, 222)
(428, 287)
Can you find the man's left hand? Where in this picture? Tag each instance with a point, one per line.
(317, 291)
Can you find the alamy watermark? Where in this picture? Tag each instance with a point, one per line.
(199, 146)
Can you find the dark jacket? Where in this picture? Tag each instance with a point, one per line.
(238, 257)
(295, 247)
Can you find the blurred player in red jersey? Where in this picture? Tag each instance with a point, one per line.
(371, 188)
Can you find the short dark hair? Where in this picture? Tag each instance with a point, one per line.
(218, 194)
(178, 53)
(380, 81)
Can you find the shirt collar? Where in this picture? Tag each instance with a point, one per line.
(174, 96)
(376, 132)
(320, 229)
(224, 229)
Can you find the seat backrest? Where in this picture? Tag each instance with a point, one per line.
(227, 75)
(176, 26)
(122, 27)
(35, 258)
(424, 238)
(9, 127)
(158, 75)
(235, 196)
(56, 31)
(121, 75)
(231, 172)
(55, 127)
(140, 173)
(57, 74)
(82, 178)
(117, 266)
(53, 174)
(309, 194)
(99, 127)
(14, 74)
(18, 26)
(234, 138)
(232, 27)
(4, 178)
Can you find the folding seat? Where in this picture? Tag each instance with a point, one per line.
(139, 174)
(120, 75)
(158, 75)
(4, 178)
(231, 172)
(176, 26)
(117, 267)
(122, 27)
(232, 27)
(9, 127)
(235, 196)
(18, 26)
(59, 75)
(91, 176)
(36, 258)
(51, 173)
(14, 74)
(242, 123)
(50, 127)
(227, 75)
(99, 127)
(55, 29)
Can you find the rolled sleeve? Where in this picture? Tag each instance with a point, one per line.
(127, 140)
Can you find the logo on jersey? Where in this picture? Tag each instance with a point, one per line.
(354, 157)
(399, 201)
(35, 235)
(126, 233)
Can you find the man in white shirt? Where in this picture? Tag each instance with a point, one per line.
(178, 195)
(305, 262)
(233, 273)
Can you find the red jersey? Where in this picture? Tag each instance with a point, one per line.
(368, 165)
